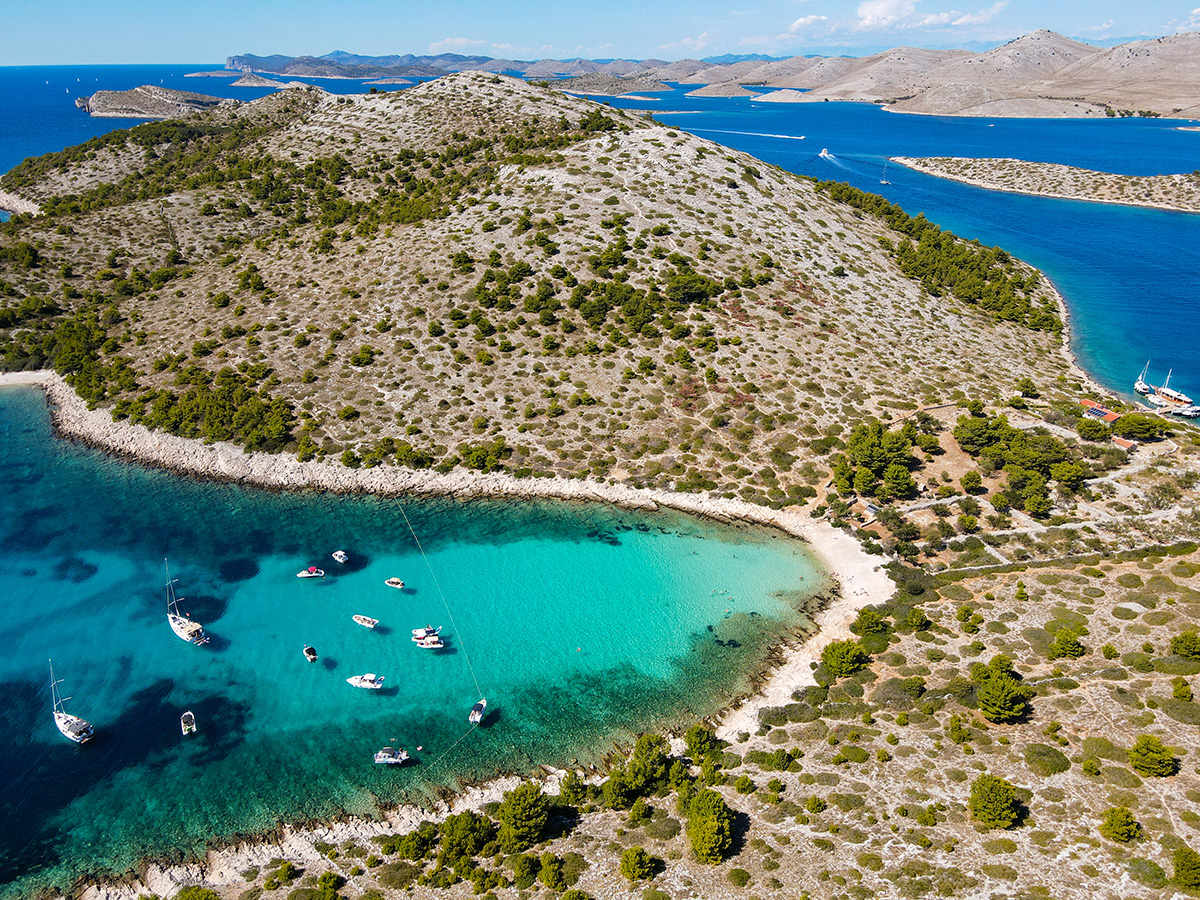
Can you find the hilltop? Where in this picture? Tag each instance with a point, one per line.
(482, 272)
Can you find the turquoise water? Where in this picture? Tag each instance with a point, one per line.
(583, 625)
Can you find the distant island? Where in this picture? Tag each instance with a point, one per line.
(147, 102)
(1177, 192)
(1041, 74)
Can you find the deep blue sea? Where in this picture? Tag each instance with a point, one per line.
(582, 624)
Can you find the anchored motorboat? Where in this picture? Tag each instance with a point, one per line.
(185, 629)
(72, 727)
(365, 621)
(391, 756)
(187, 723)
(370, 681)
(394, 583)
(311, 572)
(419, 634)
(477, 712)
(340, 556)
(430, 642)
(310, 653)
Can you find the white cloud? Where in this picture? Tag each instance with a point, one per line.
(875, 14)
(1104, 26)
(983, 16)
(805, 22)
(451, 44)
(690, 44)
(1193, 21)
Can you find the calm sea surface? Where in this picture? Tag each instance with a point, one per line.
(581, 624)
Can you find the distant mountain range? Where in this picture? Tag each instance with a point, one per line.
(1039, 74)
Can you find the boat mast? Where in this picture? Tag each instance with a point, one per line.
(172, 602)
(55, 697)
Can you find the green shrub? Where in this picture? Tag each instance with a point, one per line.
(1146, 872)
(637, 864)
(1119, 825)
(842, 658)
(398, 875)
(739, 877)
(709, 826)
(195, 892)
(1045, 760)
(1186, 643)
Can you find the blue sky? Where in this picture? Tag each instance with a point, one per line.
(166, 31)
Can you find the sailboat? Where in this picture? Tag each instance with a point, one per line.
(1168, 396)
(883, 177)
(1141, 385)
(72, 727)
(185, 629)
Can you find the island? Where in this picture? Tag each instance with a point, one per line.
(1177, 192)
(488, 288)
(147, 102)
(599, 83)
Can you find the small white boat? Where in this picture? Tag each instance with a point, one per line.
(185, 629)
(390, 756)
(1187, 412)
(72, 727)
(420, 634)
(340, 556)
(1141, 385)
(394, 583)
(370, 681)
(365, 621)
(825, 154)
(310, 653)
(187, 723)
(477, 711)
(432, 642)
(311, 572)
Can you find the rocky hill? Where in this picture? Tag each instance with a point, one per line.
(482, 272)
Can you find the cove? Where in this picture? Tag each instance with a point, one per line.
(584, 624)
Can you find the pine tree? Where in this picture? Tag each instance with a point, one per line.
(1187, 867)
(1186, 643)
(1148, 756)
(522, 817)
(1120, 825)
(710, 826)
(1022, 595)
(1066, 645)
(993, 802)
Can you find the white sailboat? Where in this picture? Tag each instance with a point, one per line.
(883, 177)
(1141, 385)
(72, 727)
(185, 629)
(1168, 396)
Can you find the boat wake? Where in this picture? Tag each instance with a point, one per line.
(782, 137)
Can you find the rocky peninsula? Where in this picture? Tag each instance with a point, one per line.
(147, 102)
(1175, 192)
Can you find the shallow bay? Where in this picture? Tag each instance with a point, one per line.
(583, 625)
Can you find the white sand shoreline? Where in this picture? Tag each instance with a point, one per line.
(859, 576)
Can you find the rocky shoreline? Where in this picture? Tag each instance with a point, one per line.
(16, 205)
(1096, 182)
